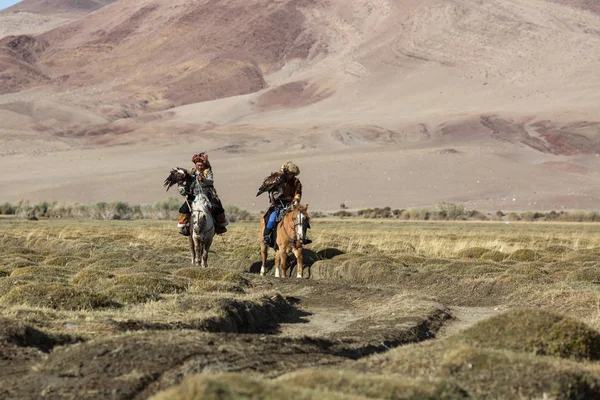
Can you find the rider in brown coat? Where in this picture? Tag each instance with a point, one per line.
(286, 193)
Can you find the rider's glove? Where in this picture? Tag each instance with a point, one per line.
(182, 190)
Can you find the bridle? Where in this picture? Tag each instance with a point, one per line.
(297, 227)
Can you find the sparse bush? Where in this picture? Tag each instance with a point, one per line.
(342, 214)
(235, 214)
(451, 211)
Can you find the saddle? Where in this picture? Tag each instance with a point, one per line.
(281, 213)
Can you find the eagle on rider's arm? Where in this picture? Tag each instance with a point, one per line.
(177, 176)
(271, 182)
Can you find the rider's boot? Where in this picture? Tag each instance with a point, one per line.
(306, 240)
(221, 223)
(183, 224)
(267, 236)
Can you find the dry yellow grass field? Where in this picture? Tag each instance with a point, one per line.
(515, 309)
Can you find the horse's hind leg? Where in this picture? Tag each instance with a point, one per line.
(264, 250)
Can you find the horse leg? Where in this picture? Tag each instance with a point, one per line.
(192, 250)
(263, 256)
(283, 262)
(277, 263)
(198, 250)
(299, 257)
(206, 247)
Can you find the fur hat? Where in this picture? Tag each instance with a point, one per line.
(289, 166)
(200, 157)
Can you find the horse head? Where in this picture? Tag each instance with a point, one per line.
(201, 214)
(301, 220)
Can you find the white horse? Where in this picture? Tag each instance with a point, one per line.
(202, 230)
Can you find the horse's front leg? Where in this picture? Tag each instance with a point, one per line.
(205, 247)
(192, 250)
(283, 262)
(198, 250)
(300, 258)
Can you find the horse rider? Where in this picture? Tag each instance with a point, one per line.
(203, 184)
(288, 192)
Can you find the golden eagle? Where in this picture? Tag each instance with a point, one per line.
(271, 182)
(178, 176)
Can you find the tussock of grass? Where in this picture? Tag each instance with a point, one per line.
(535, 332)
(56, 296)
(153, 283)
(91, 278)
(246, 252)
(472, 252)
(557, 249)
(59, 260)
(42, 271)
(18, 262)
(524, 255)
(131, 294)
(373, 386)
(238, 386)
(488, 372)
(359, 268)
(216, 286)
(494, 255)
(10, 282)
(198, 274)
(586, 274)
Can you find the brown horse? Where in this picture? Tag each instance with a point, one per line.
(291, 231)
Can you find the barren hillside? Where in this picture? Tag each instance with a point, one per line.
(52, 7)
(491, 103)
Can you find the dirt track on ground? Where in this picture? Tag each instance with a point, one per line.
(328, 323)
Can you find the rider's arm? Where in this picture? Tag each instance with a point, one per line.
(206, 178)
(297, 192)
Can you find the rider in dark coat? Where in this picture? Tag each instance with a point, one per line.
(203, 183)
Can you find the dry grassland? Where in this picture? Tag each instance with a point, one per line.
(113, 309)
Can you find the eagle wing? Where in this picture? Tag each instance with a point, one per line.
(177, 176)
(270, 183)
